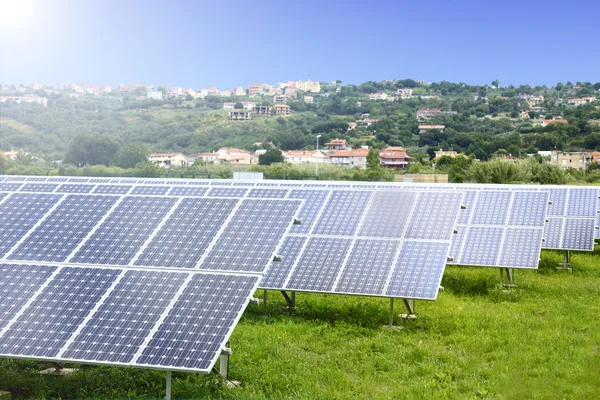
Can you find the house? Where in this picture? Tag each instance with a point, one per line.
(306, 86)
(394, 157)
(427, 128)
(225, 93)
(248, 105)
(547, 122)
(262, 110)
(350, 158)
(378, 96)
(34, 98)
(308, 99)
(428, 113)
(581, 101)
(290, 92)
(229, 105)
(282, 98)
(240, 91)
(131, 87)
(236, 156)
(404, 93)
(255, 88)
(205, 157)
(577, 160)
(282, 109)
(441, 153)
(336, 144)
(240, 115)
(168, 160)
(532, 100)
(366, 122)
(352, 125)
(304, 156)
(155, 94)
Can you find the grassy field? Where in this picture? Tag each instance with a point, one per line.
(540, 340)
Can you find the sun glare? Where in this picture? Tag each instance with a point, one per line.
(16, 13)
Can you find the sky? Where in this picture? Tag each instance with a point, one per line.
(233, 43)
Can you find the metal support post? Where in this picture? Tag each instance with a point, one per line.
(224, 364)
(265, 301)
(290, 302)
(410, 309)
(168, 393)
(293, 299)
(391, 312)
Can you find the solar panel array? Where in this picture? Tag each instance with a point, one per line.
(143, 280)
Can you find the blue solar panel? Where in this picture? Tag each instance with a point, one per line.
(342, 213)
(528, 209)
(221, 183)
(198, 183)
(99, 180)
(112, 189)
(481, 246)
(578, 234)
(418, 272)
(457, 242)
(491, 208)
(521, 248)
(468, 201)
(57, 179)
(278, 272)
(388, 214)
(368, 267)
(19, 283)
(77, 188)
(126, 229)
(313, 203)
(36, 179)
(56, 312)
(57, 237)
(150, 190)
(38, 187)
(79, 180)
(188, 191)
(184, 237)
(15, 179)
(125, 181)
(268, 193)
(247, 243)
(227, 192)
(553, 233)
(434, 216)
(9, 186)
(181, 341)
(117, 330)
(582, 202)
(19, 213)
(321, 262)
(558, 199)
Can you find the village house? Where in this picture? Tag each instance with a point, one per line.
(168, 160)
(378, 96)
(576, 160)
(427, 128)
(248, 105)
(239, 115)
(229, 105)
(304, 156)
(441, 153)
(336, 144)
(546, 122)
(236, 156)
(282, 109)
(404, 93)
(350, 158)
(308, 99)
(240, 91)
(34, 98)
(394, 157)
(255, 88)
(581, 101)
(262, 110)
(281, 98)
(155, 94)
(427, 113)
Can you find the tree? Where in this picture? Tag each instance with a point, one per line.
(270, 156)
(373, 160)
(91, 150)
(496, 84)
(132, 154)
(3, 162)
(238, 106)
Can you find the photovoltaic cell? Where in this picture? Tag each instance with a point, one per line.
(553, 233)
(247, 244)
(368, 267)
(457, 242)
(582, 202)
(268, 193)
(279, 271)
(10, 187)
(491, 208)
(78, 180)
(578, 234)
(481, 246)
(117, 330)
(227, 192)
(418, 271)
(125, 230)
(521, 248)
(19, 283)
(434, 216)
(79, 188)
(38, 187)
(57, 237)
(388, 214)
(54, 315)
(36, 179)
(558, 200)
(112, 189)
(468, 201)
(187, 233)
(180, 341)
(528, 209)
(19, 213)
(150, 190)
(57, 179)
(188, 191)
(313, 202)
(321, 263)
(342, 213)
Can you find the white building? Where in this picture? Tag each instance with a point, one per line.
(304, 156)
(155, 94)
(168, 160)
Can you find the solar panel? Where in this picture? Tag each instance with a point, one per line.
(150, 190)
(128, 283)
(112, 189)
(38, 187)
(342, 213)
(10, 186)
(75, 188)
(227, 192)
(188, 191)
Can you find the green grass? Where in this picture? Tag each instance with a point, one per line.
(540, 340)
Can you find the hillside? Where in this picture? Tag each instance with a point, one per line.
(477, 120)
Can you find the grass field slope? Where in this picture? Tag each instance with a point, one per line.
(539, 340)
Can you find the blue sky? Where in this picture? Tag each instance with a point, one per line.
(229, 43)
